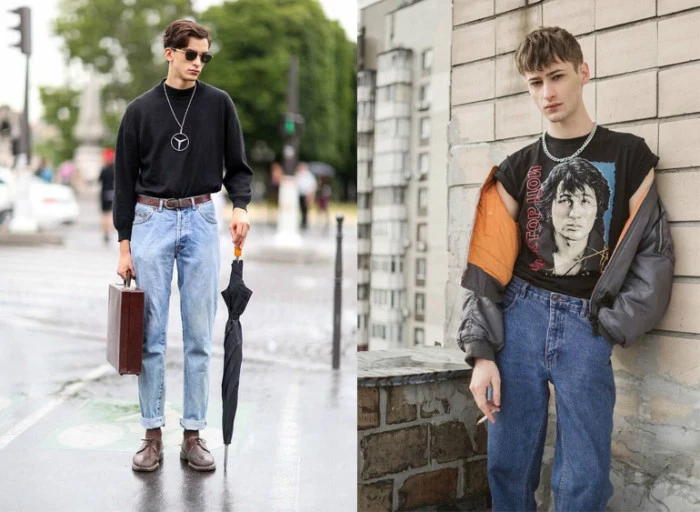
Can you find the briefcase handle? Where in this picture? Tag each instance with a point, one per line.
(127, 280)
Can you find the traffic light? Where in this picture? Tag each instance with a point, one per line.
(293, 124)
(25, 29)
(289, 126)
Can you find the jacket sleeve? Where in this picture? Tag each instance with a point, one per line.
(646, 292)
(493, 249)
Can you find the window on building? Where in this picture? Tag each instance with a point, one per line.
(379, 331)
(424, 129)
(424, 97)
(362, 292)
(419, 337)
(423, 165)
(427, 60)
(420, 306)
(422, 201)
(420, 271)
(422, 232)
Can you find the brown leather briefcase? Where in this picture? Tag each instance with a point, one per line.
(125, 327)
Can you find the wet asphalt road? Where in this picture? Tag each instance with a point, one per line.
(69, 423)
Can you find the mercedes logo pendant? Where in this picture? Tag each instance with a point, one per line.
(180, 142)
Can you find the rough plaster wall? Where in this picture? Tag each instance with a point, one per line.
(645, 62)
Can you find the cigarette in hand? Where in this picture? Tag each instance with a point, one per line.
(482, 420)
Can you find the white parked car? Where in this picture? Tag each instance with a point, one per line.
(51, 204)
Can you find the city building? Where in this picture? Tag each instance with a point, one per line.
(403, 95)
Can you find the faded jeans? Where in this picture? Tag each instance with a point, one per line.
(549, 339)
(160, 238)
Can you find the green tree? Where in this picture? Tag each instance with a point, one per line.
(61, 107)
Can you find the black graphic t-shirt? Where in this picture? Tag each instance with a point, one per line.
(572, 213)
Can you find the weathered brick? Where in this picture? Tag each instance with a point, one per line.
(678, 90)
(471, 164)
(475, 477)
(686, 241)
(618, 12)
(430, 488)
(648, 131)
(473, 82)
(508, 5)
(679, 190)
(576, 16)
(397, 409)
(473, 42)
(512, 28)
(481, 438)
(375, 497)
(682, 314)
(471, 10)
(627, 404)
(508, 80)
(679, 144)
(679, 39)
(517, 116)
(390, 452)
(431, 409)
(664, 410)
(590, 95)
(626, 98)
(678, 358)
(367, 408)
(628, 49)
(475, 123)
(669, 6)
(450, 441)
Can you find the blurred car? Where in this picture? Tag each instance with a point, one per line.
(6, 201)
(51, 204)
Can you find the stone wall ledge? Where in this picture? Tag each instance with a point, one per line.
(398, 367)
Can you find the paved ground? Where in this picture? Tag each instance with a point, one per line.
(69, 423)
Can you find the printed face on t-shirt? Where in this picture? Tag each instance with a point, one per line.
(574, 212)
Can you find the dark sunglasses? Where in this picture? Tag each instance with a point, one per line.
(192, 55)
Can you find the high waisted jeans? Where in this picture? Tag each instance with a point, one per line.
(549, 339)
(160, 238)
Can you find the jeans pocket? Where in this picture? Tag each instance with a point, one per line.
(207, 211)
(510, 297)
(142, 213)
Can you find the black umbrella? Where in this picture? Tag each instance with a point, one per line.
(236, 296)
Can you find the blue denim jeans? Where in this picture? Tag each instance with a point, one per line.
(188, 237)
(549, 339)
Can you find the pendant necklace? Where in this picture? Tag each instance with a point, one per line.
(180, 141)
(578, 152)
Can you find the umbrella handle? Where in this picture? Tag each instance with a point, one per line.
(127, 279)
(237, 251)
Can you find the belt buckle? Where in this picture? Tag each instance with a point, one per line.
(174, 202)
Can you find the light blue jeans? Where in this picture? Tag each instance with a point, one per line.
(188, 237)
(549, 339)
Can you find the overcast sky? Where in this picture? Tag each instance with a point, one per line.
(47, 63)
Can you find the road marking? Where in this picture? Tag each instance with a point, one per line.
(66, 393)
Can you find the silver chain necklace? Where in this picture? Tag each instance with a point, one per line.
(578, 152)
(180, 141)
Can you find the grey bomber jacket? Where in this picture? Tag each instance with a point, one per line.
(630, 298)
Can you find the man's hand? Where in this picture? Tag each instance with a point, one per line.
(239, 227)
(125, 262)
(486, 374)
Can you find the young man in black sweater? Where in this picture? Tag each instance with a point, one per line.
(173, 144)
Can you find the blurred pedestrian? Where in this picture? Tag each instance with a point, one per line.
(44, 171)
(107, 194)
(66, 171)
(168, 164)
(322, 202)
(273, 197)
(306, 187)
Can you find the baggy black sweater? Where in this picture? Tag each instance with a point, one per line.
(146, 163)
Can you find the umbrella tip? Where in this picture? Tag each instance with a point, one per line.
(225, 456)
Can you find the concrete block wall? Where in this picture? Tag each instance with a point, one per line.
(644, 57)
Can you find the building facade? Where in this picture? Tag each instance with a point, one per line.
(403, 112)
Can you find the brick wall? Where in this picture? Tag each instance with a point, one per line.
(644, 57)
(418, 443)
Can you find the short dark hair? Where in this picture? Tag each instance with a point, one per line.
(178, 33)
(543, 46)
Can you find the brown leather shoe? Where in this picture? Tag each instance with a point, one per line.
(149, 455)
(194, 450)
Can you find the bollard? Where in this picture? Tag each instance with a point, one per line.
(338, 297)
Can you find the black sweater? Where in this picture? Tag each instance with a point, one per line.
(145, 162)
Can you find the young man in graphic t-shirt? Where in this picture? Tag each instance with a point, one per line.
(570, 193)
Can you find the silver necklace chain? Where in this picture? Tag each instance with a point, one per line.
(186, 110)
(578, 152)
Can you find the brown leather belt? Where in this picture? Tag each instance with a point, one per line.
(171, 204)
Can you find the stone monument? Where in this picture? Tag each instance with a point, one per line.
(89, 131)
